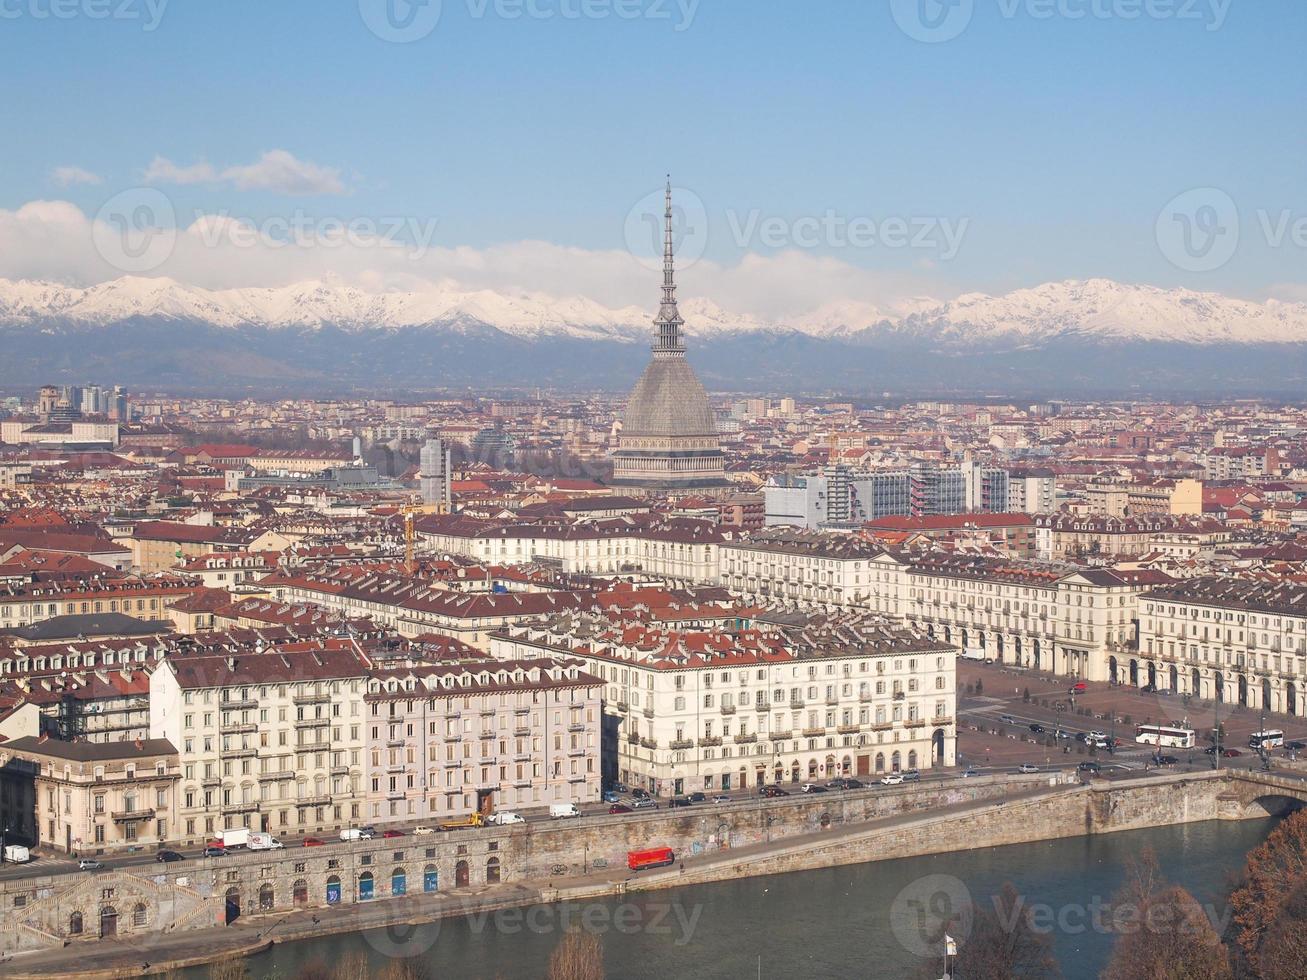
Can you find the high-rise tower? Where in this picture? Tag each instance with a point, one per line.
(669, 439)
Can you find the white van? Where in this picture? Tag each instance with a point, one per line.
(351, 833)
(17, 854)
(503, 818)
(560, 811)
(264, 842)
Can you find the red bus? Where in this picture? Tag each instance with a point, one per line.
(657, 857)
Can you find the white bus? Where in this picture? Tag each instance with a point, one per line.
(1166, 735)
(1272, 738)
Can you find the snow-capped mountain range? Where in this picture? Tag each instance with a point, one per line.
(1091, 310)
(1080, 337)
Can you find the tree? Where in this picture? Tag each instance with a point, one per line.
(352, 966)
(1269, 905)
(1004, 943)
(231, 968)
(578, 956)
(1170, 937)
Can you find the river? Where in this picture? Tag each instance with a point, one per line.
(854, 921)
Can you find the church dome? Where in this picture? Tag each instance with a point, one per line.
(668, 400)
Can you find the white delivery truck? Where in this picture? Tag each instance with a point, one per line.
(351, 833)
(264, 842)
(17, 854)
(560, 811)
(237, 837)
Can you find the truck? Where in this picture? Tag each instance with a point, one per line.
(973, 653)
(560, 811)
(471, 820)
(264, 842)
(236, 837)
(17, 854)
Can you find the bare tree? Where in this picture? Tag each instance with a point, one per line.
(230, 968)
(1283, 952)
(1268, 900)
(352, 966)
(578, 956)
(1004, 943)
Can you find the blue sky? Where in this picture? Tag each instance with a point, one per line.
(1054, 141)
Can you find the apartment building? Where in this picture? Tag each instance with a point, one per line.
(1165, 498)
(1241, 642)
(1078, 536)
(445, 740)
(796, 699)
(273, 741)
(679, 549)
(93, 798)
(832, 570)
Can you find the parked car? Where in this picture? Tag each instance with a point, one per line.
(721, 799)
(164, 857)
(505, 817)
(610, 796)
(772, 791)
(392, 833)
(1169, 760)
(812, 788)
(912, 775)
(679, 801)
(1007, 719)
(1027, 767)
(215, 851)
(968, 773)
(90, 864)
(312, 842)
(698, 798)
(645, 803)
(1059, 734)
(1089, 767)
(1295, 746)
(422, 831)
(1231, 753)
(893, 779)
(620, 808)
(639, 793)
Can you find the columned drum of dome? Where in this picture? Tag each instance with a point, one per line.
(669, 439)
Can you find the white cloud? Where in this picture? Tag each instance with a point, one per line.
(276, 170)
(67, 176)
(163, 171)
(54, 240)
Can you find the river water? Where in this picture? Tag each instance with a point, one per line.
(867, 920)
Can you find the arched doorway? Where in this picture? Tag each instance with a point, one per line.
(1243, 690)
(1220, 686)
(300, 893)
(1196, 683)
(75, 924)
(895, 762)
(398, 882)
(948, 635)
(233, 905)
(880, 761)
(912, 759)
(1039, 656)
(1134, 673)
(1152, 675)
(812, 768)
(462, 874)
(937, 747)
(1291, 698)
(1268, 696)
(430, 878)
(366, 886)
(333, 890)
(998, 648)
(795, 772)
(1111, 670)
(846, 765)
(108, 922)
(830, 765)
(1175, 679)
(492, 871)
(1016, 650)
(267, 898)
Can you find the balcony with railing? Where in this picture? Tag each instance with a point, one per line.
(127, 816)
(748, 739)
(728, 709)
(710, 741)
(681, 743)
(649, 743)
(781, 736)
(814, 732)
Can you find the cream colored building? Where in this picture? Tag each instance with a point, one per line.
(727, 709)
(270, 741)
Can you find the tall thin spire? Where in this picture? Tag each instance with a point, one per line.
(669, 320)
